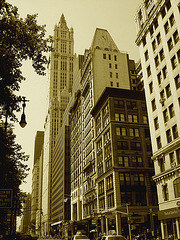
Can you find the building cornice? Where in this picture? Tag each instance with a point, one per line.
(147, 23)
(168, 173)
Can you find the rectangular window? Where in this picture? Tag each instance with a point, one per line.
(145, 119)
(165, 192)
(117, 84)
(131, 105)
(168, 5)
(155, 23)
(134, 132)
(148, 71)
(172, 20)
(144, 41)
(161, 54)
(156, 123)
(116, 66)
(110, 199)
(170, 44)
(162, 95)
(154, 45)
(161, 164)
(122, 145)
(110, 65)
(101, 187)
(111, 83)
(104, 56)
(158, 140)
(166, 27)
(168, 136)
(176, 37)
(136, 146)
(171, 111)
(159, 77)
(119, 117)
(178, 55)
(174, 62)
(158, 38)
(123, 161)
(175, 131)
(172, 157)
(109, 57)
(132, 118)
(151, 30)
(102, 203)
(137, 161)
(163, 12)
(177, 81)
(116, 75)
(178, 155)
(121, 131)
(115, 58)
(100, 170)
(156, 60)
(165, 115)
(125, 179)
(109, 182)
(168, 91)
(146, 55)
(164, 70)
(177, 187)
(110, 74)
(119, 104)
(153, 103)
(55, 64)
(138, 179)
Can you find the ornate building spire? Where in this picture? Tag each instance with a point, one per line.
(62, 22)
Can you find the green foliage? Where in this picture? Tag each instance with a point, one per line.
(20, 39)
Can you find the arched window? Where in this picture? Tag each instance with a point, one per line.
(177, 187)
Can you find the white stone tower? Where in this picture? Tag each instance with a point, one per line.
(61, 80)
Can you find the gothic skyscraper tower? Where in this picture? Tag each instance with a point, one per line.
(61, 80)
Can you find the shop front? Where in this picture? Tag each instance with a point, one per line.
(170, 223)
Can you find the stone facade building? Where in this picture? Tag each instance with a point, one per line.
(158, 31)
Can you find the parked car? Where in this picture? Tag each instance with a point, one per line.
(80, 236)
(113, 237)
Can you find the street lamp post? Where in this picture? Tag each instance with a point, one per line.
(128, 218)
(23, 122)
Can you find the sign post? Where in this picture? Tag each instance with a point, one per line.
(6, 198)
(6, 201)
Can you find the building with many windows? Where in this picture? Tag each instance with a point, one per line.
(158, 32)
(26, 218)
(123, 162)
(61, 80)
(38, 148)
(104, 66)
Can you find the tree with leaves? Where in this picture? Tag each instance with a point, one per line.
(13, 171)
(20, 40)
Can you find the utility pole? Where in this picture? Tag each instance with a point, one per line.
(128, 219)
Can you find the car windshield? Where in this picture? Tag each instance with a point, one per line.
(81, 237)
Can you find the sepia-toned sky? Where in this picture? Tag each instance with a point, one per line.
(116, 16)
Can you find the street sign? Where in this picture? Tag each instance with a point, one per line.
(6, 198)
